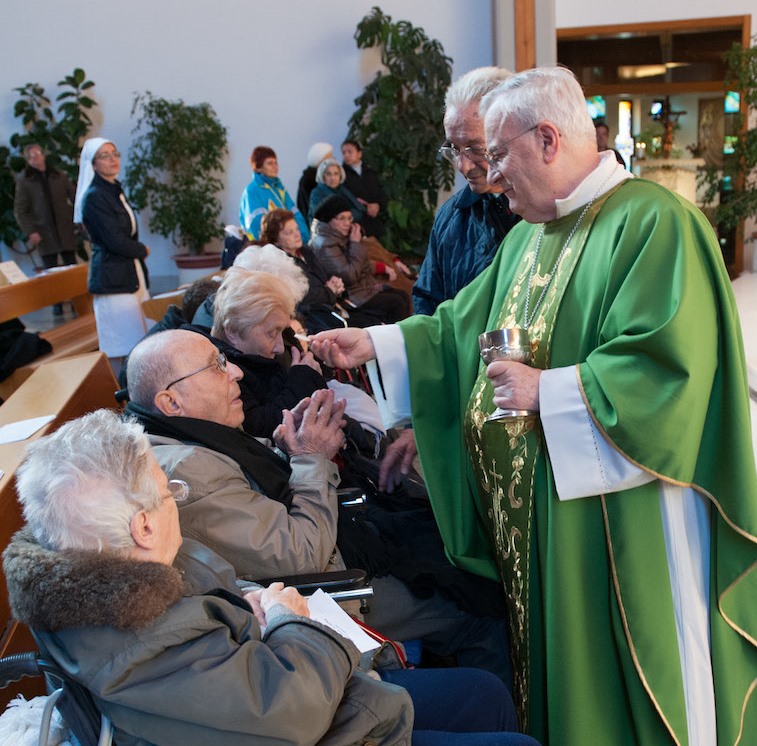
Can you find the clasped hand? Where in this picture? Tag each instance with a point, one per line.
(516, 386)
(315, 425)
(262, 599)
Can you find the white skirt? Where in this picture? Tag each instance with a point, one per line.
(119, 318)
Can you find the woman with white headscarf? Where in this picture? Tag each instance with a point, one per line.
(117, 272)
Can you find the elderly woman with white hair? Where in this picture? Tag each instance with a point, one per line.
(118, 277)
(252, 312)
(330, 178)
(156, 627)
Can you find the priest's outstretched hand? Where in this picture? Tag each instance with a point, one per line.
(342, 348)
(516, 386)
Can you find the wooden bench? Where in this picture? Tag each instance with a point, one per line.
(66, 389)
(70, 338)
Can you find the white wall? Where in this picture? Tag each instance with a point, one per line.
(569, 13)
(283, 74)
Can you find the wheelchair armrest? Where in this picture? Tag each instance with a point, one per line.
(331, 582)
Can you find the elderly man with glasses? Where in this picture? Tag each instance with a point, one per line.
(470, 225)
(269, 512)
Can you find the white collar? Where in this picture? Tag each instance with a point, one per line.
(608, 170)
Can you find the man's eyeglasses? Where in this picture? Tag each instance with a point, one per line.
(179, 490)
(474, 153)
(108, 156)
(219, 361)
(495, 159)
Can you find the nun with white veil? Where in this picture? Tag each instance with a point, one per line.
(117, 272)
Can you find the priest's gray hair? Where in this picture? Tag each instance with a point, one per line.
(543, 94)
(472, 87)
(81, 486)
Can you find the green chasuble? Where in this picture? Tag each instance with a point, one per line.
(642, 305)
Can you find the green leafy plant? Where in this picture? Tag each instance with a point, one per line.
(60, 132)
(175, 163)
(398, 120)
(736, 183)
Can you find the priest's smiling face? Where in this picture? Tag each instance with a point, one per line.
(517, 166)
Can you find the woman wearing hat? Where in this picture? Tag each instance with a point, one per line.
(265, 192)
(118, 277)
(337, 242)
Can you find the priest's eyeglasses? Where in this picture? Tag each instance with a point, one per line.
(474, 153)
(496, 158)
(219, 361)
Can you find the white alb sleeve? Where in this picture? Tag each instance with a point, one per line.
(583, 462)
(389, 375)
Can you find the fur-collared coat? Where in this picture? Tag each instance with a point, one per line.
(173, 655)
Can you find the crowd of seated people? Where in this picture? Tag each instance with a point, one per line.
(215, 385)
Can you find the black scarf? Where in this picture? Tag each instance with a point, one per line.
(262, 467)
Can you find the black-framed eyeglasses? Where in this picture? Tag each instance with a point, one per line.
(452, 153)
(219, 361)
(495, 159)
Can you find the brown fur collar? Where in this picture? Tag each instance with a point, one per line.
(52, 591)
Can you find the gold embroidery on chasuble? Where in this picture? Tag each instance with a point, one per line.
(505, 453)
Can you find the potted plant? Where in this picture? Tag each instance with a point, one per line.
(399, 123)
(175, 166)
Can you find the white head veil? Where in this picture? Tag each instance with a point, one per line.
(86, 172)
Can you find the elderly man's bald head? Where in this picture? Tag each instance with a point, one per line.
(180, 373)
(152, 363)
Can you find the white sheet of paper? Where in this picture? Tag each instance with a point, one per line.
(325, 610)
(22, 429)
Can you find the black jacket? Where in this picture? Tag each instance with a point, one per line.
(114, 248)
(366, 185)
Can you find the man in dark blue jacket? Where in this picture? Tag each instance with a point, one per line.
(470, 225)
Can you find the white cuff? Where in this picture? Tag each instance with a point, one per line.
(389, 375)
(583, 462)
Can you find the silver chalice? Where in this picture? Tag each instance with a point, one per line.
(506, 344)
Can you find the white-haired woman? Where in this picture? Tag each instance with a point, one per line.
(118, 277)
(330, 178)
(252, 312)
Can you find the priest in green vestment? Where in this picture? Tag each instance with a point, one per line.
(621, 515)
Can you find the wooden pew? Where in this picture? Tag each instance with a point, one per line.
(70, 338)
(67, 389)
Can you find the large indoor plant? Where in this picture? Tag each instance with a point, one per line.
(175, 165)
(399, 123)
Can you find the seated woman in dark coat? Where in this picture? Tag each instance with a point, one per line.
(251, 312)
(338, 243)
